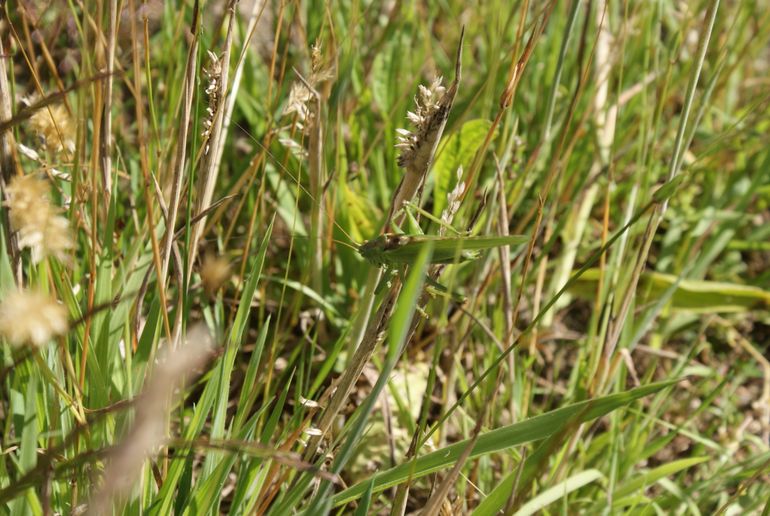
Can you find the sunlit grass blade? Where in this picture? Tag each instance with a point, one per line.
(532, 429)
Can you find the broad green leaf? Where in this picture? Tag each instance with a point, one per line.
(690, 295)
(359, 211)
(532, 429)
(457, 150)
(385, 79)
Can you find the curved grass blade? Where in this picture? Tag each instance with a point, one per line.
(532, 429)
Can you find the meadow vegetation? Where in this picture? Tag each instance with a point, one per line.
(188, 321)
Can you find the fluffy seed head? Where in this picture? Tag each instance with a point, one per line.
(38, 223)
(299, 96)
(31, 317)
(215, 270)
(55, 127)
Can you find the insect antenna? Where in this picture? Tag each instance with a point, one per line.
(354, 247)
(479, 210)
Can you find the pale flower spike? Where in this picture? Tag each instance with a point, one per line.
(213, 74)
(454, 199)
(426, 105)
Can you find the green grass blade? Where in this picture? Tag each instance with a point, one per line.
(690, 295)
(532, 429)
(366, 500)
(399, 330)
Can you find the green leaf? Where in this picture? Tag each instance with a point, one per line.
(6, 272)
(286, 201)
(359, 211)
(29, 431)
(250, 385)
(689, 295)
(232, 347)
(366, 500)
(532, 429)
(216, 390)
(28, 448)
(457, 150)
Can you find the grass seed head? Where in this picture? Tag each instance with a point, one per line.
(31, 317)
(55, 127)
(454, 200)
(39, 224)
(425, 118)
(213, 74)
(215, 271)
(299, 96)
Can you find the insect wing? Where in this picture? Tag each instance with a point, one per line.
(478, 243)
(449, 249)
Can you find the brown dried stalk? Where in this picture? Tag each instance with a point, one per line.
(188, 89)
(8, 164)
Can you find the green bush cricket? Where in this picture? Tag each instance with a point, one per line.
(391, 250)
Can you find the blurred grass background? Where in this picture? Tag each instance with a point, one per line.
(218, 164)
